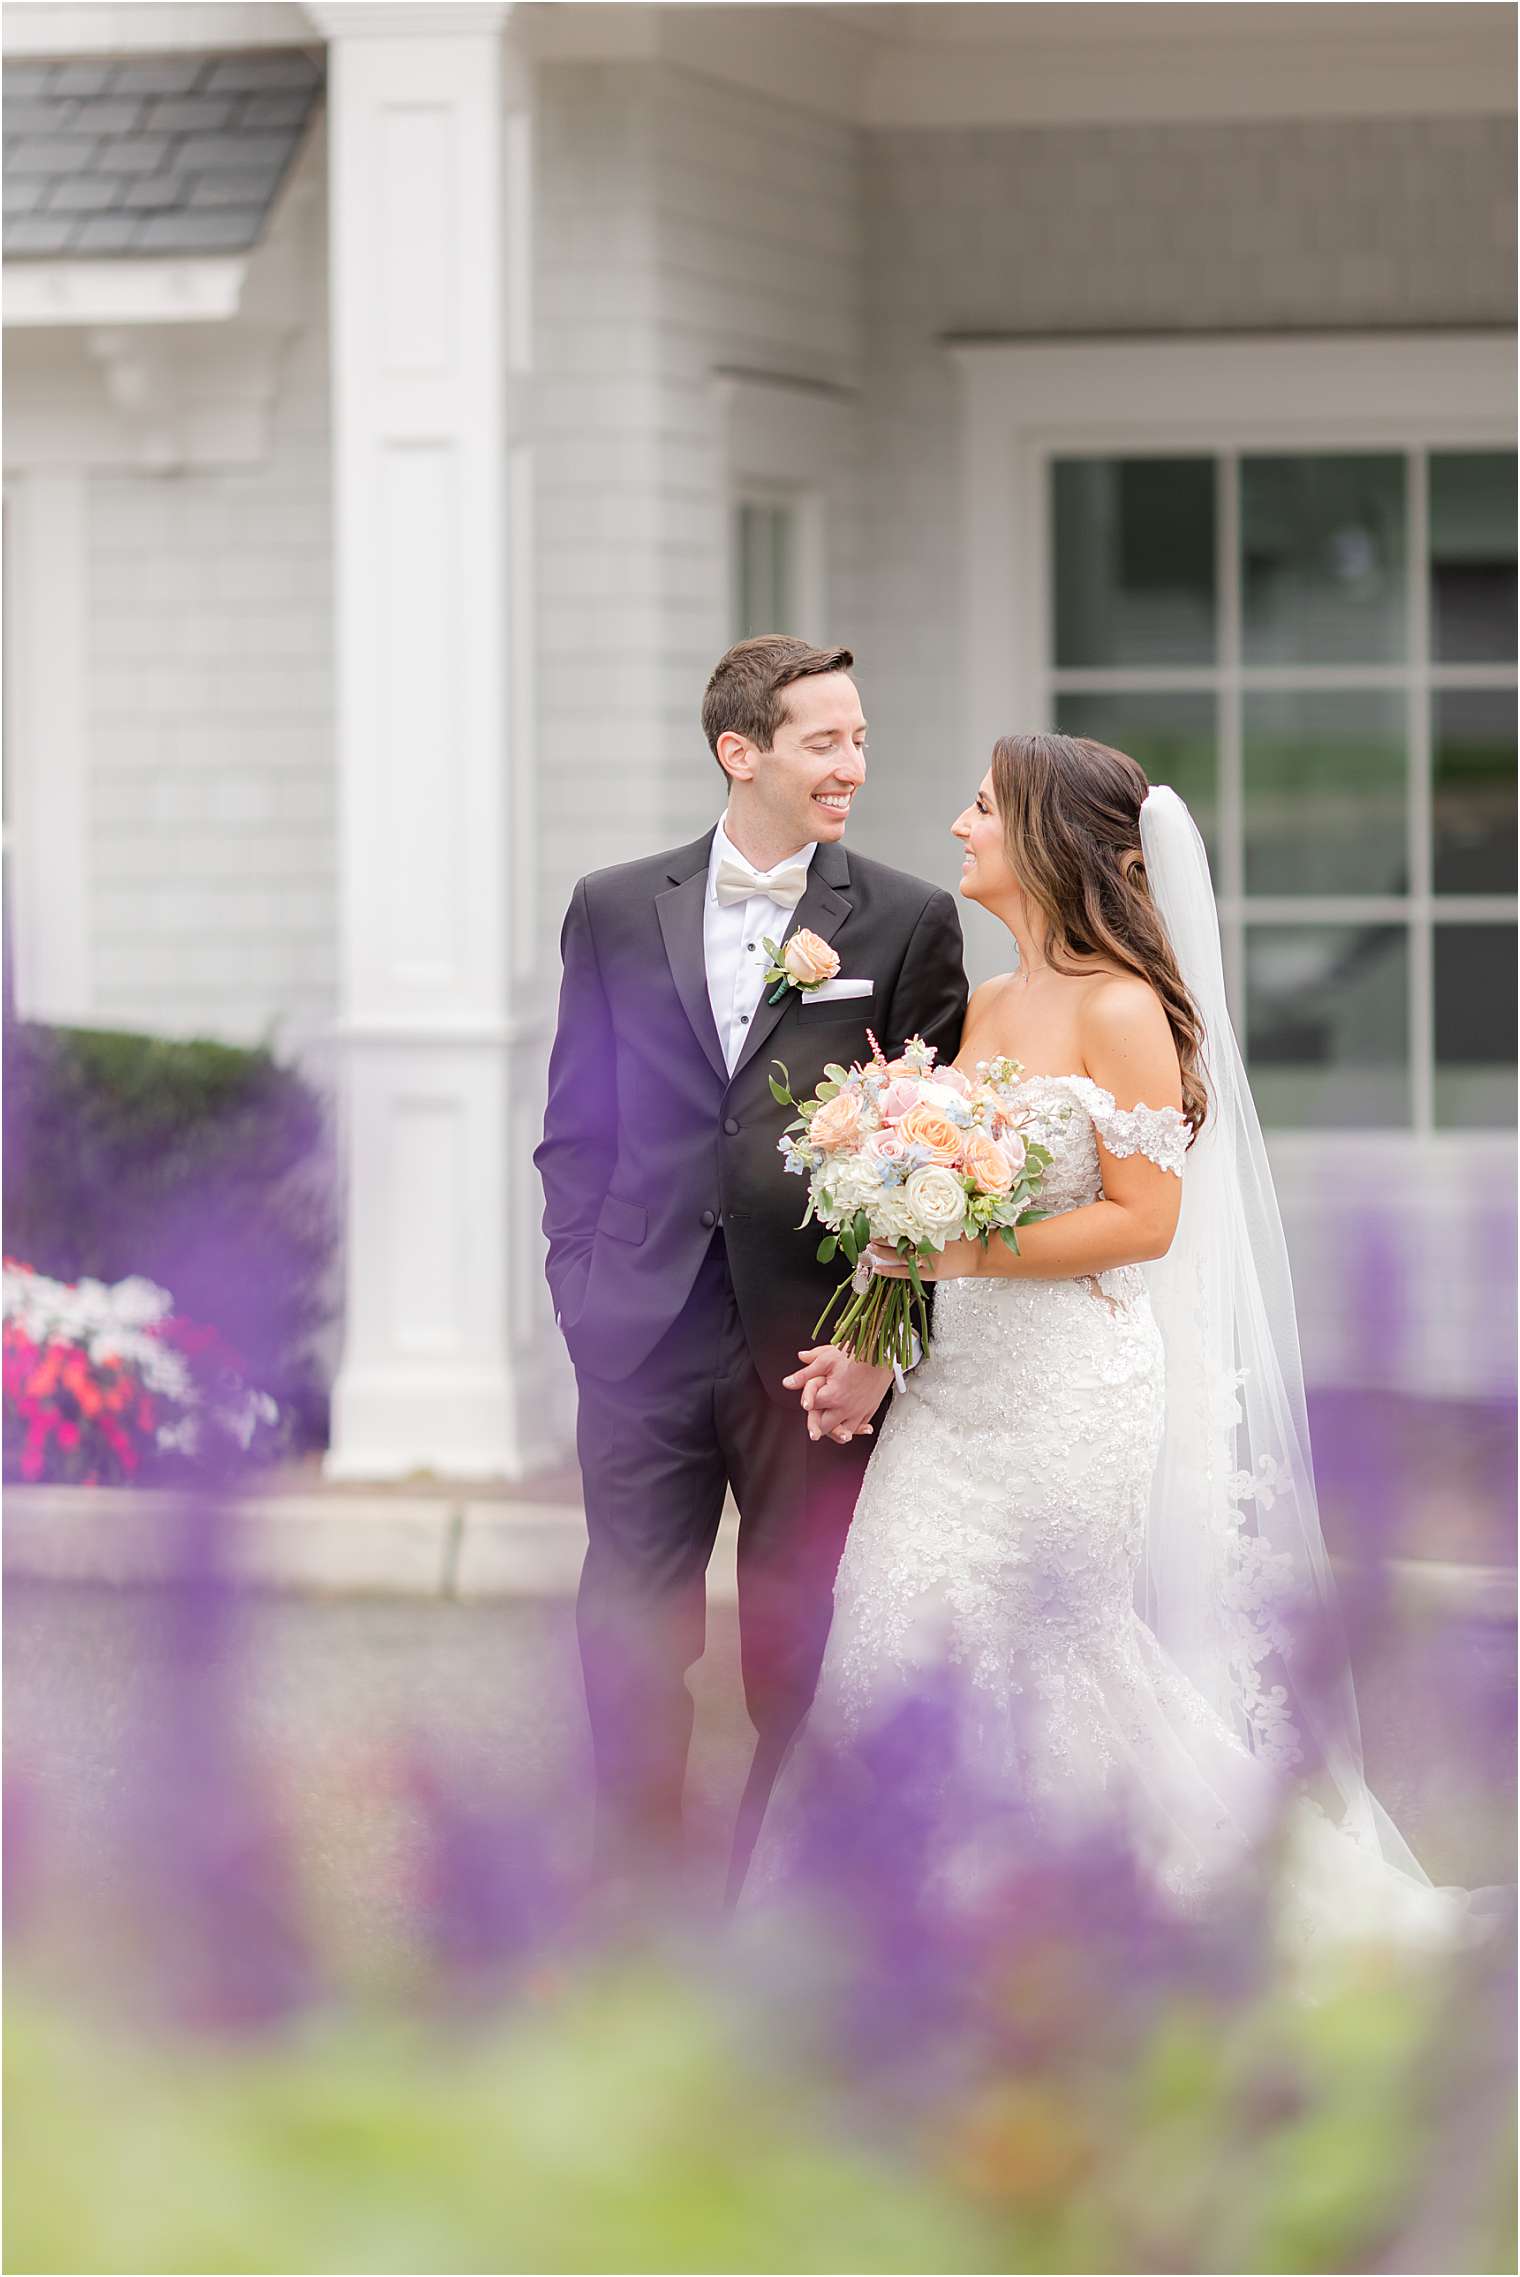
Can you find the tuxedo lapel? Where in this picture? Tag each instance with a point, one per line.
(680, 910)
(822, 910)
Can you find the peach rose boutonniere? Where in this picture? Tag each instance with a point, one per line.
(805, 963)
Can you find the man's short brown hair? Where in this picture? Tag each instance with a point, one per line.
(744, 695)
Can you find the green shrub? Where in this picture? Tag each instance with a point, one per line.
(204, 1166)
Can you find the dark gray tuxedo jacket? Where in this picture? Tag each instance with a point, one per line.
(649, 1143)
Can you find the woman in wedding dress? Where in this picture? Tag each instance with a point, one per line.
(1091, 1508)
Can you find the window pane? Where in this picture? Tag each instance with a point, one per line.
(1134, 561)
(1473, 742)
(1322, 570)
(1326, 790)
(1327, 1025)
(763, 549)
(1171, 733)
(1475, 1026)
(1472, 556)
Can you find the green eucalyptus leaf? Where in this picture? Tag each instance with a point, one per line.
(827, 1248)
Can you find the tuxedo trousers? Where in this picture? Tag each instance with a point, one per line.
(657, 1454)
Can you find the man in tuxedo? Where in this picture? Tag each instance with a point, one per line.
(683, 1288)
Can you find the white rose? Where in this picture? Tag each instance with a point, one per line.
(937, 1199)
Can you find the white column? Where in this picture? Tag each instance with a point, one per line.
(449, 1357)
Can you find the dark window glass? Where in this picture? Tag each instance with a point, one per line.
(1473, 756)
(1133, 541)
(1326, 791)
(1475, 1026)
(1472, 557)
(1323, 555)
(1327, 1014)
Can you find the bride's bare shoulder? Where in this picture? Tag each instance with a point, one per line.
(988, 994)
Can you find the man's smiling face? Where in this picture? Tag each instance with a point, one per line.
(805, 783)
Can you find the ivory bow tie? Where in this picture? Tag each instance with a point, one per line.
(736, 881)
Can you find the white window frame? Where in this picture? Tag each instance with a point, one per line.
(787, 443)
(1028, 403)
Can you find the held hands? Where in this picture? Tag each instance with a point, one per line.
(839, 1394)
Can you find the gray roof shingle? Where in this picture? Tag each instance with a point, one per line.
(151, 155)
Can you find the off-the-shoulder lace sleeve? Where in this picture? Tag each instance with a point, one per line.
(1159, 1133)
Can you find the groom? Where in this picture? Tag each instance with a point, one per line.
(682, 1285)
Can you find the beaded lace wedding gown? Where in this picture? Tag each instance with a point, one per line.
(996, 1546)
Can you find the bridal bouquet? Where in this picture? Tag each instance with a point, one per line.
(899, 1152)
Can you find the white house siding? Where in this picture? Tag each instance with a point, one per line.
(685, 227)
(212, 844)
(1275, 226)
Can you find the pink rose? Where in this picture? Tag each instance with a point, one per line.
(886, 1146)
(951, 1079)
(1013, 1146)
(987, 1162)
(837, 1122)
(897, 1098)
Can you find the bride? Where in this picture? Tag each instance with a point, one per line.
(1092, 1505)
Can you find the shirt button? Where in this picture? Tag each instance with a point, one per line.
(709, 1217)
(731, 1128)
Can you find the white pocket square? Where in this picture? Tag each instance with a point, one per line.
(828, 990)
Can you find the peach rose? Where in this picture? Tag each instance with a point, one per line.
(988, 1163)
(905, 1067)
(808, 959)
(933, 1130)
(897, 1098)
(837, 1122)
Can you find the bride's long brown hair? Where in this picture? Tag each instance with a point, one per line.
(1070, 811)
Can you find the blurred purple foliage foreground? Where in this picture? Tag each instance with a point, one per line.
(507, 2066)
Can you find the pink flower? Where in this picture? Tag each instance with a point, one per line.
(885, 1146)
(1013, 1146)
(897, 1098)
(837, 1122)
(951, 1079)
(987, 1162)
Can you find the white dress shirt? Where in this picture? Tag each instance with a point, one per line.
(731, 942)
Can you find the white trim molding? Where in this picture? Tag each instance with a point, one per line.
(47, 733)
(151, 27)
(123, 292)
